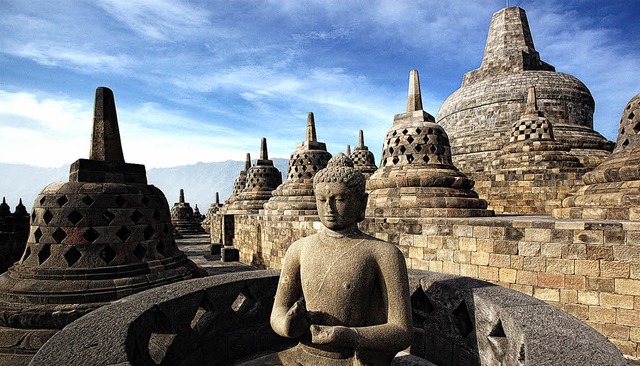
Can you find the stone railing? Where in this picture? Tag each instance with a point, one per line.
(225, 319)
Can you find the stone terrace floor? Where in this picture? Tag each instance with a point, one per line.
(196, 248)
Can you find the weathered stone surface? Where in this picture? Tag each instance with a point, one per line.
(479, 115)
(416, 176)
(224, 319)
(612, 190)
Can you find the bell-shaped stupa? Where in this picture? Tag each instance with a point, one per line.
(533, 172)
(612, 190)
(101, 236)
(295, 196)
(363, 159)
(416, 177)
(238, 184)
(261, 179)
(184, 218)
(479, 115)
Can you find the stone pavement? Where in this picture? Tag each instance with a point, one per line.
(196, 248)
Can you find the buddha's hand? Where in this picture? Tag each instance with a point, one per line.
(298, 319)
(334, 335)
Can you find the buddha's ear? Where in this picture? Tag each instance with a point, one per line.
(363, 200)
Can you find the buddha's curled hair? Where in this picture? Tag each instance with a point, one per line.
(340, 169)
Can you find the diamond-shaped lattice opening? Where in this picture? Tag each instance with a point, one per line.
(42, 200)
(107, 254)
(394, 133)
(74, 217)
(405, 131)
(108, 216)
(410, 158)
(418, 148)
(148, 232)
(44, 253)
(395, 160)
(136, 216)
(34, 216)
(120, 201)
(636, 128)
(59, 235)
(156, 215)
(88, 200)
(244, 302)
(123, 233)
(410, 139)
(161, 249)
(497, 330)
(145, 201)
(27, 253)
(47, 217)
(425, 159)
(37, 235)
(463, 320)
(630, 116)
(418, 131)
(625, 142)
(139, 251)
(72, 255)
(62, 200)
(91, 235)
(433, 149)
(403, 149)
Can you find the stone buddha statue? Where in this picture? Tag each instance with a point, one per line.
(342, 293)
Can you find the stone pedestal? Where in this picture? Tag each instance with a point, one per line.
(229, 254)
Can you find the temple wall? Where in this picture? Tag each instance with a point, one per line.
(590, 269)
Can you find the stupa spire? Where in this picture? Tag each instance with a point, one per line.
(264, 155)
(217, 198)
(181, 196)
(532, 102)
(311, 128)
(414, 101)
(348, 150)
(247, 163)
(361, 139)
(105, 140)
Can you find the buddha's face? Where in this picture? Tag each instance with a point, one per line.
(338, 207)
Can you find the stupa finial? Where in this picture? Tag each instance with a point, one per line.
(181, 196)
(217, 199)
(311, 128)
(105, 140)
(247, 162)
(414, 102)
(348, 150)
(264, 155)
(361, 139)
(532, 105)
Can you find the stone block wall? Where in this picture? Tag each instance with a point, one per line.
(590, 269)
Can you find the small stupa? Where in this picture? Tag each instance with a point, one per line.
(295, 196)
(363, 159)
(101, 236)
(612, 190)
(416, 177)
(215, 207)
(238, 184)
(184, 218)
(533, 172)
(261, 179)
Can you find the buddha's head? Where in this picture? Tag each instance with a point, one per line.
(340, 195)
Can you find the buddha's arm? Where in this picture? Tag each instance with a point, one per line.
(289, 314)
(394, 335)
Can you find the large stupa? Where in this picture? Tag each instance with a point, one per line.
(479, 115)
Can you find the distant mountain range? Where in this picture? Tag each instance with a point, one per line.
(200, 181)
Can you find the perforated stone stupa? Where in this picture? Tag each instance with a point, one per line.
(262, 178)
(479, 115)
(532, 173)
(612, 190)
(363, 159)
(295, 196)
(101, 236)
(416, 177)
(184, 218)
(238, 184)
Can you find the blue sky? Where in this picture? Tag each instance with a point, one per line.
(204, 80)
